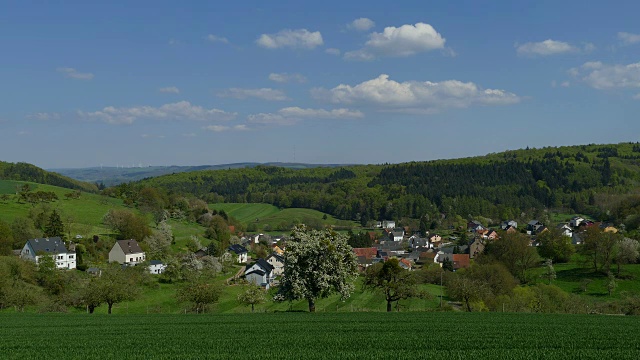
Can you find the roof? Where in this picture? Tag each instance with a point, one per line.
(533, 222)
(461, 261)
(53, 245)
(155, 262)
(238, 249)
(406, 262)
(277, 256)
(259, 272)
(262, 263)
(129, 246)
(368, 253)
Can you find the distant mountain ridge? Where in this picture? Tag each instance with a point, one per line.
(110, 176)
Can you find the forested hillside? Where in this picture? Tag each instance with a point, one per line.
(590, 179)
(27, 172)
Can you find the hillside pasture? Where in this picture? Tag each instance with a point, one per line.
(269, 216)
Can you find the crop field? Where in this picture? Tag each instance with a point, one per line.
(320, 336)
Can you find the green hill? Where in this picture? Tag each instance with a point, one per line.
(588, 179)
(31, 173)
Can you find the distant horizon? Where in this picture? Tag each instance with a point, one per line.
(327, 164)
(91, 83)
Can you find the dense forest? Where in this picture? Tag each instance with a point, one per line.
(587, 179)
(27, 172)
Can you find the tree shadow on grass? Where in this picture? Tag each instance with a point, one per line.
(578, 274)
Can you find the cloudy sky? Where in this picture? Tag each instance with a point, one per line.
(212, 82)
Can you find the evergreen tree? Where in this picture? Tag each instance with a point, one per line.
(54, 226)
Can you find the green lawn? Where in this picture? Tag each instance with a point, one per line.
(246, 213)
(404, 335)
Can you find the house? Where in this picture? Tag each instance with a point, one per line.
(533, 227)
(474, 225)
(576, 221)
(507, 224)
(240, 253)
(388, 224)
(127, 252)
(476, 248)
(435, 240)
(416, 241)
(397, 234)
(276, 249)
(405, 264)
(606, 227)
(565, 229)
(576, 239)
(428, 258)
(491, 235)
(156, 267)
(35, 249)
(277, 261)
(260, 273)
(94, 271)
(461, 261)
(510, 229)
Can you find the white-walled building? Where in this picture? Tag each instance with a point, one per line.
(156, 267)
(126, 252)
(35, 249)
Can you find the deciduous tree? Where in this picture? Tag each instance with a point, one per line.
(394, 282)
(317, 264)
(252, 295)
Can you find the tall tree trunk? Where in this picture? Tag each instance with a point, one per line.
(91, 309)
(388, 306)
(468, 305)
(312, 305)
(110, 306)
(251, 307)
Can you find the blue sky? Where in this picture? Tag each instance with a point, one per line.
(207, 82)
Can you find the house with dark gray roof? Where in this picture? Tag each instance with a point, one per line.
(127, 252)
(54, 247)
(260, 273)
(240, 253)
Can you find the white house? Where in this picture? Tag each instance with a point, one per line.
(156, 267)
(388, 224)
(35, 249)
(277, 261)
(126, 252)
(240, 252)
(397, 234)
(576, 221)
(260, 273)
(566, 230)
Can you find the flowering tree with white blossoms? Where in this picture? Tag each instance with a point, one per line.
(317, 263)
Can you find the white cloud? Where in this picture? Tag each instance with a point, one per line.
(400, 41)
(263, 93)
(285, 78)
(170, 90)
(637, 96)
(215, 38)
(44, 116)
(74, 74)
(414, 96)
(182, 110)
(221, 128)
(332, 51)
(291, 115)
(361, 24)
(300, 38)
(604, 76)
(628, 39)
(551, 47)
(565, 84)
